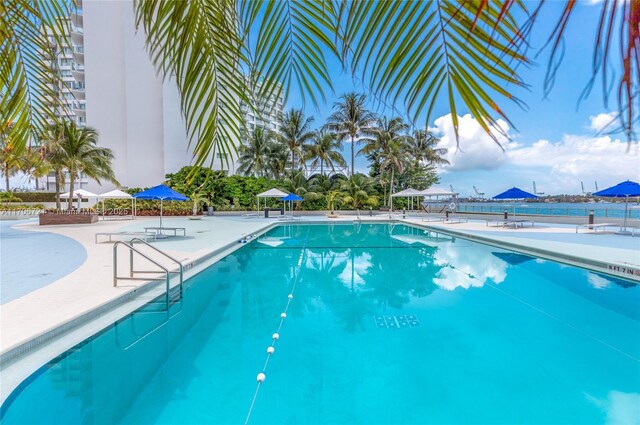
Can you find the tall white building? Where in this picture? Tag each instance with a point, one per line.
(136, 114)
(117, 91)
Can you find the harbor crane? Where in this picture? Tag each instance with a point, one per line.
(478, 193)
(535, 191)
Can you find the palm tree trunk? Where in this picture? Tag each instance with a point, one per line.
(57, 183)
(353, 157)
(322, 167)
(391, 185)
(6, 178)
(71, 184)
(384, 187)
(293, 161)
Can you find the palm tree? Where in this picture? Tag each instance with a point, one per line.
(79, 154)
(277, 161)
(422, 146)
(9, 157)
(324, 149)
(388, 147)
(351, 120)
(393, 158)
(295, 133)
(413, 53)
(255, 152)
(359, 190)
(35, 164)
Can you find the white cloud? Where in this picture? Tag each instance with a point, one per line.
(477, 150)
(556, 166)
(580, 157)
(603, 121)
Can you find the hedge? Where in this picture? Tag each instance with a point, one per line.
(18, 207)
(37, 196)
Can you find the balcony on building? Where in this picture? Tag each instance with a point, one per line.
(79, 108)
(78, 53)
(77, 69)
(77, 88)
(77, 33)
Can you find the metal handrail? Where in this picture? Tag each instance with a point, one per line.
(143, 255)
(135, 240)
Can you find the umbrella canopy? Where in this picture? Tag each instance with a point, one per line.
(272, 193)
(115, 194)
(407, 192)
(515, 193)
(291, 197)
(436, 191)
(621, 190)
(79, 192)
(160, 193)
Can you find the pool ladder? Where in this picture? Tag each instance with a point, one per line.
(171, 296)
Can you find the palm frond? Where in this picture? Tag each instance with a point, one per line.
(28, 87)
(414, 51)
(198, 44)
(289, 45)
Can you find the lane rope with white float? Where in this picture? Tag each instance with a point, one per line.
(262, 376)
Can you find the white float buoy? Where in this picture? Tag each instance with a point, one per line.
(261, 377)
(276, 336)
(271, 350)
(290, 296)
(283, 315)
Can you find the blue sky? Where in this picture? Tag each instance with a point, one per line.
(555, 141)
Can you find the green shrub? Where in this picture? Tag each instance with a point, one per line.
(38, 196)
(9, 197)
(19, 207)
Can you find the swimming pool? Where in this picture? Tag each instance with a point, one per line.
(387, 324)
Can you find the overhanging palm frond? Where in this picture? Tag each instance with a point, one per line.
(198, 44)
(416, 50)
(286, 41)
(617, 19)
(28, 87)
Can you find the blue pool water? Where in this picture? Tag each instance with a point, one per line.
(388, 325)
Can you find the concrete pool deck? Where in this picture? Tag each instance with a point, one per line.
(89, 288)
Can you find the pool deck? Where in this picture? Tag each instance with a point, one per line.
(40, 316)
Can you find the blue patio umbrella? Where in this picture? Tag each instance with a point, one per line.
(621, 190)
(160, 193)
(515, 193)
(291, 197)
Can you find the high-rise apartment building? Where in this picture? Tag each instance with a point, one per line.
(112, 86)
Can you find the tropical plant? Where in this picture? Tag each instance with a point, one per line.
(295, 133)
(359, 190)
(9, 156)
(78, 153)
(298, 183)
(422, 146)
(408, 53)
(351, 120)
(199, 197)
(388, 148)
(255, 153)
(393, 159)
(324, 149)
(278, 157)
(35, 164)
(332, 198)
